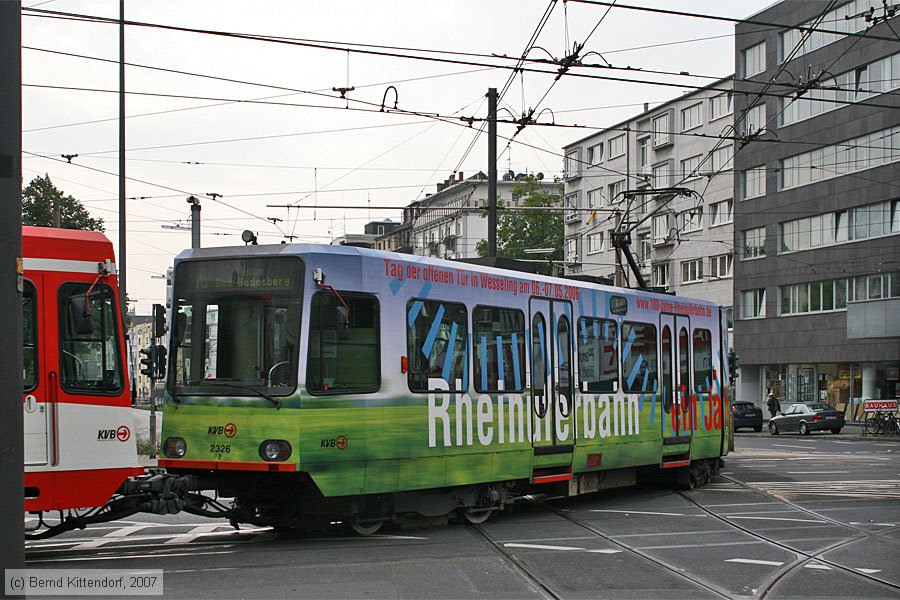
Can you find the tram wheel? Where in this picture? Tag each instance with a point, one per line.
(365, 528)
(477, 516)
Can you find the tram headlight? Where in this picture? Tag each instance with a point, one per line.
(174, 447)
(275, 450)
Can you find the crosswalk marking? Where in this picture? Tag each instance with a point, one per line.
(193, 534)
(752, 561)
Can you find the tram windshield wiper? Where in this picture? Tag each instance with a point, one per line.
(241, 386)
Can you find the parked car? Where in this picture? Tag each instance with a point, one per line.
(746, 414)
(807, 417)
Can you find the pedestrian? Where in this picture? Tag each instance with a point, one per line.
(773, 404)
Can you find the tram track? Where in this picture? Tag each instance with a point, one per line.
(804, 557)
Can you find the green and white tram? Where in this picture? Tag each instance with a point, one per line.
(318, 383)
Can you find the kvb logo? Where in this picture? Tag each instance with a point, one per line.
(229, 430)
(122, 434)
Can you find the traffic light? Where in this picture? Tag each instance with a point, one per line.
(160, 361)
(733, 365)
(148, 367)
(159, 320)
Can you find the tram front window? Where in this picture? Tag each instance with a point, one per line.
(89, 346)
(236, 327)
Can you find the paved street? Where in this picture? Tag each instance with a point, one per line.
(790, 516)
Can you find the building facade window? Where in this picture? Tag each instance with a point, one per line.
(644, 154)
(595, 154)
(753, 183)
(753, 243)
(616, 146)
(570, 205)
(571, 165)
(595, 242)
(840, 19)
(720, 266)
(659, 176)
(812, 297)
(721, 158)
(690, 117)
(865, 152)
(877, 286)
(690, 168)
(721, 212)
(719, 106)
(754, 59)
(691, 220)
(572, 250)
(753, 304)
(595, 198)
(661, 130)
(661, 275)
(645, 248)
(615, 189)
(692, 271)
(661, 229)
(754, 120)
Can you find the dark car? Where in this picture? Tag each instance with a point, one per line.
(746, 414)
(807, 417)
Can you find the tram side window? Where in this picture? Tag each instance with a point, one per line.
(598, 366)
(436, 336)
(89, 356)
(540, 364)
(343, 362)
(499, 349)
(639, 366)
(29, 336)
(703, 362)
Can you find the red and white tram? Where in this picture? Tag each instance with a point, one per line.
(79, 430)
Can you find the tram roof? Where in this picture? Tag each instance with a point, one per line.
(50, 242)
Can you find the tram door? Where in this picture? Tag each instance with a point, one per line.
(553, 421)
(35, 402)
(675, 360)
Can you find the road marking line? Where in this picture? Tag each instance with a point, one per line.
(815, 472)
(541, 547)
(194, 534)
(882, 524)
(125, 531)
(776, 519)
(645, 512)
(751, 561)
(817, 566)
(788, 446)
(607, 551)
(867, 571)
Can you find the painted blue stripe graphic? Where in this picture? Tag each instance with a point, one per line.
(465, 381)
(584, 331)
(414, 310)
(448, 357)
(515, 354)
(432, 334)
(634, 371)
(483, 363)
(627, 350)
(395, 285)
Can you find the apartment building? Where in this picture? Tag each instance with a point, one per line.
(817, 212)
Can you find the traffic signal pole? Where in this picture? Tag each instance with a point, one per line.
(12, 453)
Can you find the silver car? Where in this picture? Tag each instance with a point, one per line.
(807, 417)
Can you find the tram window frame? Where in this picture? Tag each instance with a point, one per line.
(685, 359)
(618, 305)
(488, 382)
(586, 342)
(628, 365)
(30, 302)
(701, 375)
(539, 362)
(318, 346)
(667, 374)
(111, 334)
(417, 379)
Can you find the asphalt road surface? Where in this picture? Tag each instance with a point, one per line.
(789, 517)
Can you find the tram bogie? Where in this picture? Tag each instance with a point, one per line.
(320, 383)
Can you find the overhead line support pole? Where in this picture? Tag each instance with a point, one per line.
(123, 288)
(492, 172)
(12, 499)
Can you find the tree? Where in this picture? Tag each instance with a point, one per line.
(39, 199)
(520, 230)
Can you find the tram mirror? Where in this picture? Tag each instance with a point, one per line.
(81, 319)
(343, 323)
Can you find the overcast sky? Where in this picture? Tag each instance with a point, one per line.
(297, 142)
